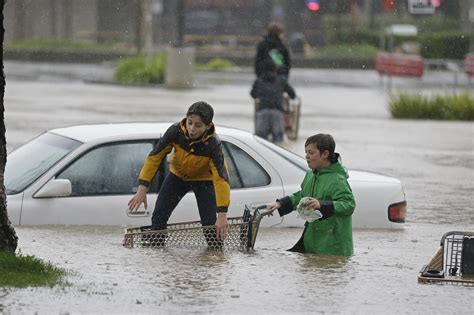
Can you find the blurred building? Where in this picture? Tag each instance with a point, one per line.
(116, 20)
(199, 22)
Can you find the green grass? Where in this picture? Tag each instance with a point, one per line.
(139, 70)
(346, 51)
(215, 64)
(440, 107)
(23, 271)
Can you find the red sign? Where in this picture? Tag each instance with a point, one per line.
(389, 5)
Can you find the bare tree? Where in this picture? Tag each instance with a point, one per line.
(8, 238)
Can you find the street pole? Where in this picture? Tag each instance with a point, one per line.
(179, 59)
(148, 29)
(144, 33)
(371, 10)
(470, 24)
(180, 22)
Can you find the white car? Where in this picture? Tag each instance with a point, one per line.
(86, 174)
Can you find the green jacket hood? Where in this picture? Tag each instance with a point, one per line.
(335, 167)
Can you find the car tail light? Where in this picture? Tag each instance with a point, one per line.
(397, 212)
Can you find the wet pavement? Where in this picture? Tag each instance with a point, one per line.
(433, 159)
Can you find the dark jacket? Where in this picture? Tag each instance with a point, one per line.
(272, 45)
(192, 160)
(269, 89)
(332, 234)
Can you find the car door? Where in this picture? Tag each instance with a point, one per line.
(103, 180)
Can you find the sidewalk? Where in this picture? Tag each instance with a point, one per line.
(103, 73)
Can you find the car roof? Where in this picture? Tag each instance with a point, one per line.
(93, 132)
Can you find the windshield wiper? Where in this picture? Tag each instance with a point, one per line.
(11, 191)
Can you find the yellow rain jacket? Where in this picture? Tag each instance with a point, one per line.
(192, 160)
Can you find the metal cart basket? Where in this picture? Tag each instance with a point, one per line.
(454, 261)
(291, 116)
(242, 234)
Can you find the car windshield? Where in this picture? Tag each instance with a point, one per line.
(293, 158)
(29, 162)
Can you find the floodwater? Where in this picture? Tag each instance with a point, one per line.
(434, 160)
(105, 277)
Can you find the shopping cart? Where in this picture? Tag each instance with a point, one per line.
(241, 236)
(291, 116)
(454, 261)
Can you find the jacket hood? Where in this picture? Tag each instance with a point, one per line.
(205, 136)
(273, 41)
(335, 167)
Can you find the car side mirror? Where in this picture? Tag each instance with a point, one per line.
(55, 188)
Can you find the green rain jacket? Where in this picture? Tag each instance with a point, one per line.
(332, 234)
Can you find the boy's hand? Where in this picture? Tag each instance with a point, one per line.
(138, 199)
(222, 226)
(313, 203)
(274, 206)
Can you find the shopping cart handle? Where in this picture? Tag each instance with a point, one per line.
(264, 213)
(260, 214)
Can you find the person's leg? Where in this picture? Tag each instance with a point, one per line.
(263, 124)
(171, 192)
(277, 126)
(206, 200)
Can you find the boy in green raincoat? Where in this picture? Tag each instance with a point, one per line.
(326, 184)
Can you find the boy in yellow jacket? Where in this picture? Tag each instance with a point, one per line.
(197, 164)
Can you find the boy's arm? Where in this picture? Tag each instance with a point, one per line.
(290, 90)
(287, 61)
(220, 178)
(156, 156)
(254, 91)
(259, 57)
(342, 203)
(288, 203)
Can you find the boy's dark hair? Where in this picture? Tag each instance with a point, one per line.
(275, 29)
(323, 142)
(203, 109)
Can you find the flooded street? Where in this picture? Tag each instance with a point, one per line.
(105, 277)
(433, 159)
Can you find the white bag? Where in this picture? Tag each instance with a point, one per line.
(306, 213)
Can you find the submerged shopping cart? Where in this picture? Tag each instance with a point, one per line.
(241, 236)
(454, 261)
(291, 116)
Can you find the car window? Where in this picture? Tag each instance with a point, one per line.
(109, 169)
(244, 171)
(291, 157)
(27, 163)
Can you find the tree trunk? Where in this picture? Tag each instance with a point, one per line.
(8, 238)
